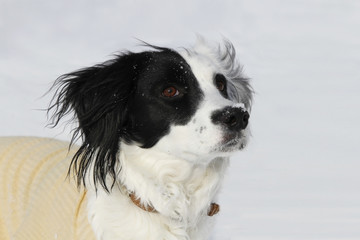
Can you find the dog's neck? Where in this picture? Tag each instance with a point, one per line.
(174, 187)
(180, 192)
(213, 209)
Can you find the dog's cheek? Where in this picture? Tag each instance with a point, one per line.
(193, 142)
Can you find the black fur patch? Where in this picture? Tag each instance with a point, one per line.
(122, 100)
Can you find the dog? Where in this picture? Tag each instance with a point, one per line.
(157, 130)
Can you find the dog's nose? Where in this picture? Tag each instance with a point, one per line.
(232, 118)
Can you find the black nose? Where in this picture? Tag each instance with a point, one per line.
(232, 118)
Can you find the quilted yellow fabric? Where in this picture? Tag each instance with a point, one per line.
(37, 201)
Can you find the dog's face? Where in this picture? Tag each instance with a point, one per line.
(193, 104)
(182, 106)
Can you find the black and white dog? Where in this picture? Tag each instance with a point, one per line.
(158, 128)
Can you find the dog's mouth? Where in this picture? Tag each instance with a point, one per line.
(230, 139)
(232, 142)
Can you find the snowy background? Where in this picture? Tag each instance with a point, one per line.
(300, 176)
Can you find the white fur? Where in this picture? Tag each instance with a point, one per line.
(179, 190)
(180, 176)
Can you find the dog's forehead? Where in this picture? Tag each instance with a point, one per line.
(204, 69)
(204, 65)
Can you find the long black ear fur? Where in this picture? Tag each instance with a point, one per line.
(99, 97)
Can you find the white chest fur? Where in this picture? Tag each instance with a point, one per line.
(180, 191)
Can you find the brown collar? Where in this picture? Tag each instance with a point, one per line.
(214, 208)
(138, 203)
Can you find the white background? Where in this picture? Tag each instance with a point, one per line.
(300, 176)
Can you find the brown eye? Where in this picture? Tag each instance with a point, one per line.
(170, 92)
(220, 85)
(220, 82)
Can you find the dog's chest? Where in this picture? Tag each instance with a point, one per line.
(181, 206)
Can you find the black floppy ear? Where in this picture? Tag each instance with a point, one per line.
(99, 98)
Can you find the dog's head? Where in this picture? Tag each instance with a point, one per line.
(193, 104)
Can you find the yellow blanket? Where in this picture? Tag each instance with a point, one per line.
(37, 201)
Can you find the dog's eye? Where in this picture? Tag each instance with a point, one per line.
(170, 92)
(220, 84)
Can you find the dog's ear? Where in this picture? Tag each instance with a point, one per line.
(98, 97)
